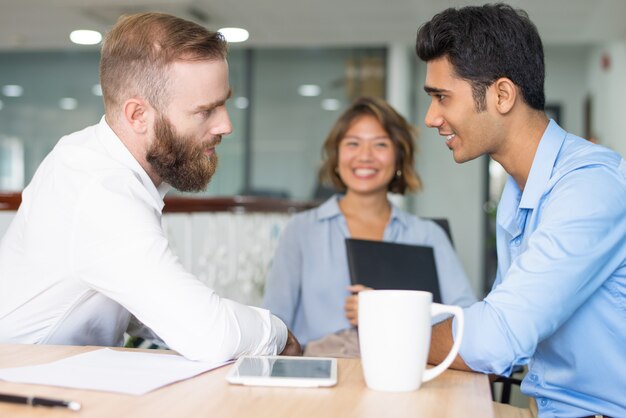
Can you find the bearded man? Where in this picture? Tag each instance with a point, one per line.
(86, 259)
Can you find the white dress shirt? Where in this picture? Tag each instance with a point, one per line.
(86, 254)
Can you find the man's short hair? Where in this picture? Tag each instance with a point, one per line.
(139, 49)
(484, 43)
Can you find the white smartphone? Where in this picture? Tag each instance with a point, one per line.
(284, 371)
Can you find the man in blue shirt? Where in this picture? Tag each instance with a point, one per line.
(559, 300)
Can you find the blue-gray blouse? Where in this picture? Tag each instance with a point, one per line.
(308, 279)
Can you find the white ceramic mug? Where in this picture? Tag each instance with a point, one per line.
(394, 338)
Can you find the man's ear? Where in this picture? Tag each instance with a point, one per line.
(506, 94)
(138, 115)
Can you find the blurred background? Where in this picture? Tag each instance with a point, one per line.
(303, 62)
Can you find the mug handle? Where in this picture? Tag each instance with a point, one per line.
(436, 309)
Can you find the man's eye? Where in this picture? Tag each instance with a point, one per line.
(206, 113)
(440, 97)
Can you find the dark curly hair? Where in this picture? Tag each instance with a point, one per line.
(484, 43)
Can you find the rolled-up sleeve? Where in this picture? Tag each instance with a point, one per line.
(120, 250)
(571, 246)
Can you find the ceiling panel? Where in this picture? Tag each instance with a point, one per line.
(45, 24)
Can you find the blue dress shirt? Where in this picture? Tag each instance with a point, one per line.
(308, 279)
(559, 299)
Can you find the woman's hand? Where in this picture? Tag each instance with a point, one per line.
(352, 303)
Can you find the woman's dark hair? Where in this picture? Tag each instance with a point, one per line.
(401, 133)
(484, 43)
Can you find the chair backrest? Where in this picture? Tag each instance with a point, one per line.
(443, 223)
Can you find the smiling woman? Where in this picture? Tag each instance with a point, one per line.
(368, 153)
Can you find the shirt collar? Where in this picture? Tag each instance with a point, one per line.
(543, 164)
(118, 151)
(512, 198)
(330, 209)
(399, 216)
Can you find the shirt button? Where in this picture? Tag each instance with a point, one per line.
(517, 242)
(533, 377)
(543, 402)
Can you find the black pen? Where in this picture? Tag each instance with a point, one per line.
(34, 401)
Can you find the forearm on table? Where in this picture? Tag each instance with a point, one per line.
(440, 344)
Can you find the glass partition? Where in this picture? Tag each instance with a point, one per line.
(278, 125)
(44, 96)
(297, 96)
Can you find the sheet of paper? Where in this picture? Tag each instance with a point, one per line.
(109, 370)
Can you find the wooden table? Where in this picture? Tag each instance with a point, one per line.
(453, 394)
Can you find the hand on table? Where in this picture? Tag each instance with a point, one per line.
(352, 303)
(292, 347)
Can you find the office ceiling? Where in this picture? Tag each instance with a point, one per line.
(45, 24)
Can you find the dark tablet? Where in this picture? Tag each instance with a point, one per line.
(388, 265)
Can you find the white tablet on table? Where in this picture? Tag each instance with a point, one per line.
(284, 371)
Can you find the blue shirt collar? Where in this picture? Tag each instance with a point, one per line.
(330, 209)
(512, 198)
(543, 164)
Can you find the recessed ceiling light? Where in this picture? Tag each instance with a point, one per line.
(234, 34)
(68, 103)
(85, 37)
(331, 104)
(309, 90)
(242, 102)
(96, 90)
(12, 90)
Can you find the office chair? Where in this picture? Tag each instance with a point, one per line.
(507, 384)
(445, 225)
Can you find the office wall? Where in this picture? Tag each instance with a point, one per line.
(566, 84)
(598, 72)
(35, 117)
(607, 87)
(288, 129)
